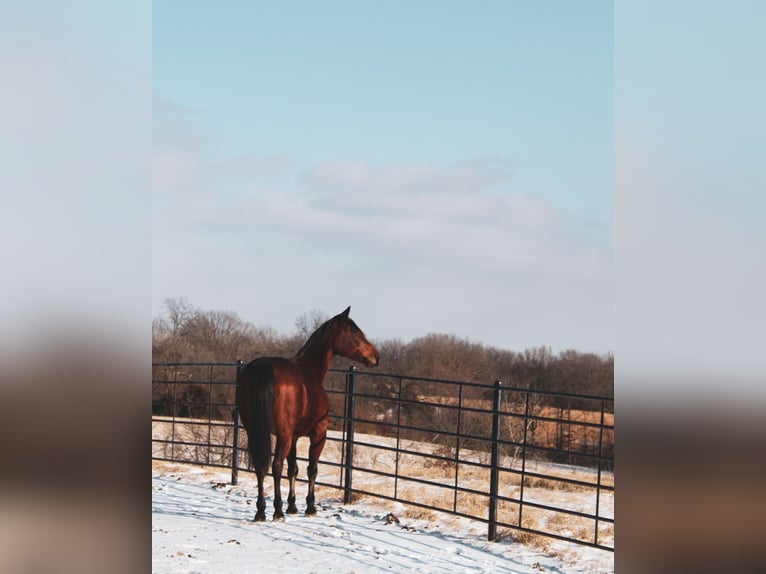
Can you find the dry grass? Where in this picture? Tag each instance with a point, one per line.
(537, 541)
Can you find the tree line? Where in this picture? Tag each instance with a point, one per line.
(185, 333)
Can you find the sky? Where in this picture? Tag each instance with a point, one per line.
(439, 166)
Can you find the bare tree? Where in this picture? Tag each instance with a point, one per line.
(520, 426)
(178, 312)
(307, 323)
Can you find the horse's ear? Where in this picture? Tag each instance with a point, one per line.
(346, 312)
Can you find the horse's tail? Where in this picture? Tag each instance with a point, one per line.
(261, 400)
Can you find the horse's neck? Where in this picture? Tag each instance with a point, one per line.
(316, 363)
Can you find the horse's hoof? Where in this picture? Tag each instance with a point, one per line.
(292, 510)
(279, 517)
(311, 511)
(260, 517)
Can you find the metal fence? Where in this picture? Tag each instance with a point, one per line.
(518, 460)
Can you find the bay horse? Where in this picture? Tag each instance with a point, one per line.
(286, 398)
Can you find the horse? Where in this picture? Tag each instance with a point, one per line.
(286, 398)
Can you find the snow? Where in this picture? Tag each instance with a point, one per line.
(201, 523)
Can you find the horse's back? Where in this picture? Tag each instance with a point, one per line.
(265, 370)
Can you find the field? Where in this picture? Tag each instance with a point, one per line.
(371, 455)
(200, 523)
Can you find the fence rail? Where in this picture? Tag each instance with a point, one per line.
(525, 461)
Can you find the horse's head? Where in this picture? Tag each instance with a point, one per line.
(351, 343)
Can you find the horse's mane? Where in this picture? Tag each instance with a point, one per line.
(315, 337)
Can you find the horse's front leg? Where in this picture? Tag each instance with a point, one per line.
(318, 438)
(292, 472)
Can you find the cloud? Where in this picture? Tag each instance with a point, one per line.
(455, 246)
(184, 164)
(426, 212)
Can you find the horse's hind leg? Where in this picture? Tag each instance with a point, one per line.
(260, 515)
(318, 438)
(292, 472)
(276, 471)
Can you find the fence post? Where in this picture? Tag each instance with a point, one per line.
(349, 438)
(235, 439)
(524, 456)
(495, 463)
(598, 479)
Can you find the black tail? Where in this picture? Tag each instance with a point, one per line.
(261, 398)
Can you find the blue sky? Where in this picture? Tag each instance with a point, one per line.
(440, 166)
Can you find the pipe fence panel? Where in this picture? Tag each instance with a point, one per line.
(518, 460)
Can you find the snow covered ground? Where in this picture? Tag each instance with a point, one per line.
(201, 523)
